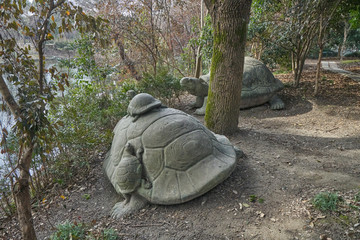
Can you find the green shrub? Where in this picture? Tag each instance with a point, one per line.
(109, 234)
(274, 55)
(357, 197)
(69, 231)
(88, 113)
(76, 231)
(326, 201)
(163, 86)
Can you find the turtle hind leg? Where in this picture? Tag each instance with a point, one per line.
(276, 103)
(132, 203)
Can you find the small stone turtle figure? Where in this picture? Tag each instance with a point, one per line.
(258, 87)
(164, 156)
(130, 170)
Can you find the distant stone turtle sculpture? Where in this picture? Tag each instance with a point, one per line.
(258, 87)
(164, 156)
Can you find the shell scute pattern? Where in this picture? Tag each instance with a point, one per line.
(187, 150)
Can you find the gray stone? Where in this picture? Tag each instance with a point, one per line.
(164, 156)
(258, 87)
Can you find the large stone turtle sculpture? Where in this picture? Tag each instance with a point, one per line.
(258, 87)
(164, 156)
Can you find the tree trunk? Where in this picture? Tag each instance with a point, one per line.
(343, 45)
(339, 51)
(198, 54)
(230, 19)
(41, 66)
(321, 48)
(296, 71)
(8, 97)
(23, 198)
(292, 63)
(301, 67)
(300, 56)
(318, 69)
(198, 63)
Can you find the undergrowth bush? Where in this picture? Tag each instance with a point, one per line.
(326, 201)
(80, 231)
(163, 86)
(88, 114)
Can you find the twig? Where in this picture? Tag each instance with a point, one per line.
(47, 218)
(332, 129)
(148, 225)
(124, 234)
(13, 170)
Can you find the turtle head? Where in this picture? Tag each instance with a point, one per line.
(130, 94)
(129, 149)
(189, 84)
(195, 86)
(142, 103)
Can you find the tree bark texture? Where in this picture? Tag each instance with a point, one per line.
(230, 19)
(198, 53)
(321, 48)
(343, 45)
(23, 198)
(198, 63)
(8, 97)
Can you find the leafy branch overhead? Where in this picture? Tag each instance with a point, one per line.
(39, 21)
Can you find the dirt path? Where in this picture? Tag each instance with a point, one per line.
(291, 155)
(333, 66)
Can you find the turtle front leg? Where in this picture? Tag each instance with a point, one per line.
(276, 103)
(198, 102)
(202, 110)
(132, 203)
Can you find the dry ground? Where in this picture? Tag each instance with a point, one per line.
(291, 155)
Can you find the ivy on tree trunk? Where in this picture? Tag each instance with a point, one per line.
(230, 19)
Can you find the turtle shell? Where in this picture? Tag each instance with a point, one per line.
(182, 159)
(259, 85)
(142, 103)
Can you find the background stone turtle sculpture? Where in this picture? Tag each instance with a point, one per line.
(164, 156)
(259, 86)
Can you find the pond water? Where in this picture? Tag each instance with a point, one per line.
(6, 120)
